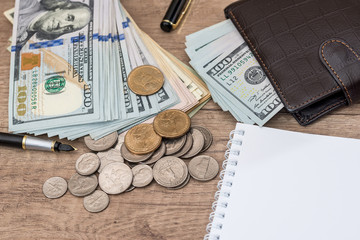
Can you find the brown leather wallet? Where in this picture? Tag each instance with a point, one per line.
(308, 48)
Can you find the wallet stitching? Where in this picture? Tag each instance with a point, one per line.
(319, 113)
(346, 45)
(270, 74)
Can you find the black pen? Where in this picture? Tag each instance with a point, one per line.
(174, 14)
(33, 143)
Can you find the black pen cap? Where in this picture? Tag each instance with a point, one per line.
(172, 15)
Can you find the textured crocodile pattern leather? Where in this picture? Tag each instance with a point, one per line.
(344, 65)
(309, 49)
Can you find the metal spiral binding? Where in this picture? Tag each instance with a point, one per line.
(218, 206)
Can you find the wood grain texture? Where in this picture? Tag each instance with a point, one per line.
(149, 213)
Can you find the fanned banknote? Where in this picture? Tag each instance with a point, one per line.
(235, 78)
(52, 82)
(70, 60)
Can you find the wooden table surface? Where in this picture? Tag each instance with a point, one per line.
(149, 213)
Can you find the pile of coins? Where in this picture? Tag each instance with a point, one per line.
(146, 152)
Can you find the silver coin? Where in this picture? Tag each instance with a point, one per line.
(170, 171)
(186, 147)
(96, 202)
(103, 143)
(159, 153)
(87, 164)
(55, 187)
(110, 156)
(187, 180)
(203, 168)
(198, 143)
(207, 137)
(143, 175)
(125, 153)
(81, 186)
(174, 145)
(115, 178)
(120, 141)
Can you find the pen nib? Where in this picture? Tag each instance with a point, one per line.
(66, 148)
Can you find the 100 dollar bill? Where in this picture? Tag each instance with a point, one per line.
(238, 77)
(51, 82)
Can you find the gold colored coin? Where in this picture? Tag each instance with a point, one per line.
(145, 80)
(142, 139)
(172, 123)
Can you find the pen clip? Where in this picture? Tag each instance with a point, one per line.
(175, 25)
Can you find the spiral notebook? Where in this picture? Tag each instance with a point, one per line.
(282, 185)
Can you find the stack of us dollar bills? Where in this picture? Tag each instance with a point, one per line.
(70, 60)
(235, 78)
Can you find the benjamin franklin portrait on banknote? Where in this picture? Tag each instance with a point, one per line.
(49, 19)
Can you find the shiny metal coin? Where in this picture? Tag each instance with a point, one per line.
(203, 168)
(208, 138)
(187, 180)
(55, 187)
(143, 175)
(142, 139)
(115, 178)
(198, 143)
(81, 186)
(103, 143)
(172, 123)
(133, 158)
(145, 80)
(110, 156)
(96, 202)
(174, 145)
(159, 153)
(186, 148)
(170, 171)
(87, 164)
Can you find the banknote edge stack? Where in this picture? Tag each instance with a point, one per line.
(234, 77)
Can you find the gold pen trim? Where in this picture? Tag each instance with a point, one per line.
(175, 25)
(53, 146)
(172, 24)
(24, 142)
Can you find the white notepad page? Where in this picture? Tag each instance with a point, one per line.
(289, 186)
